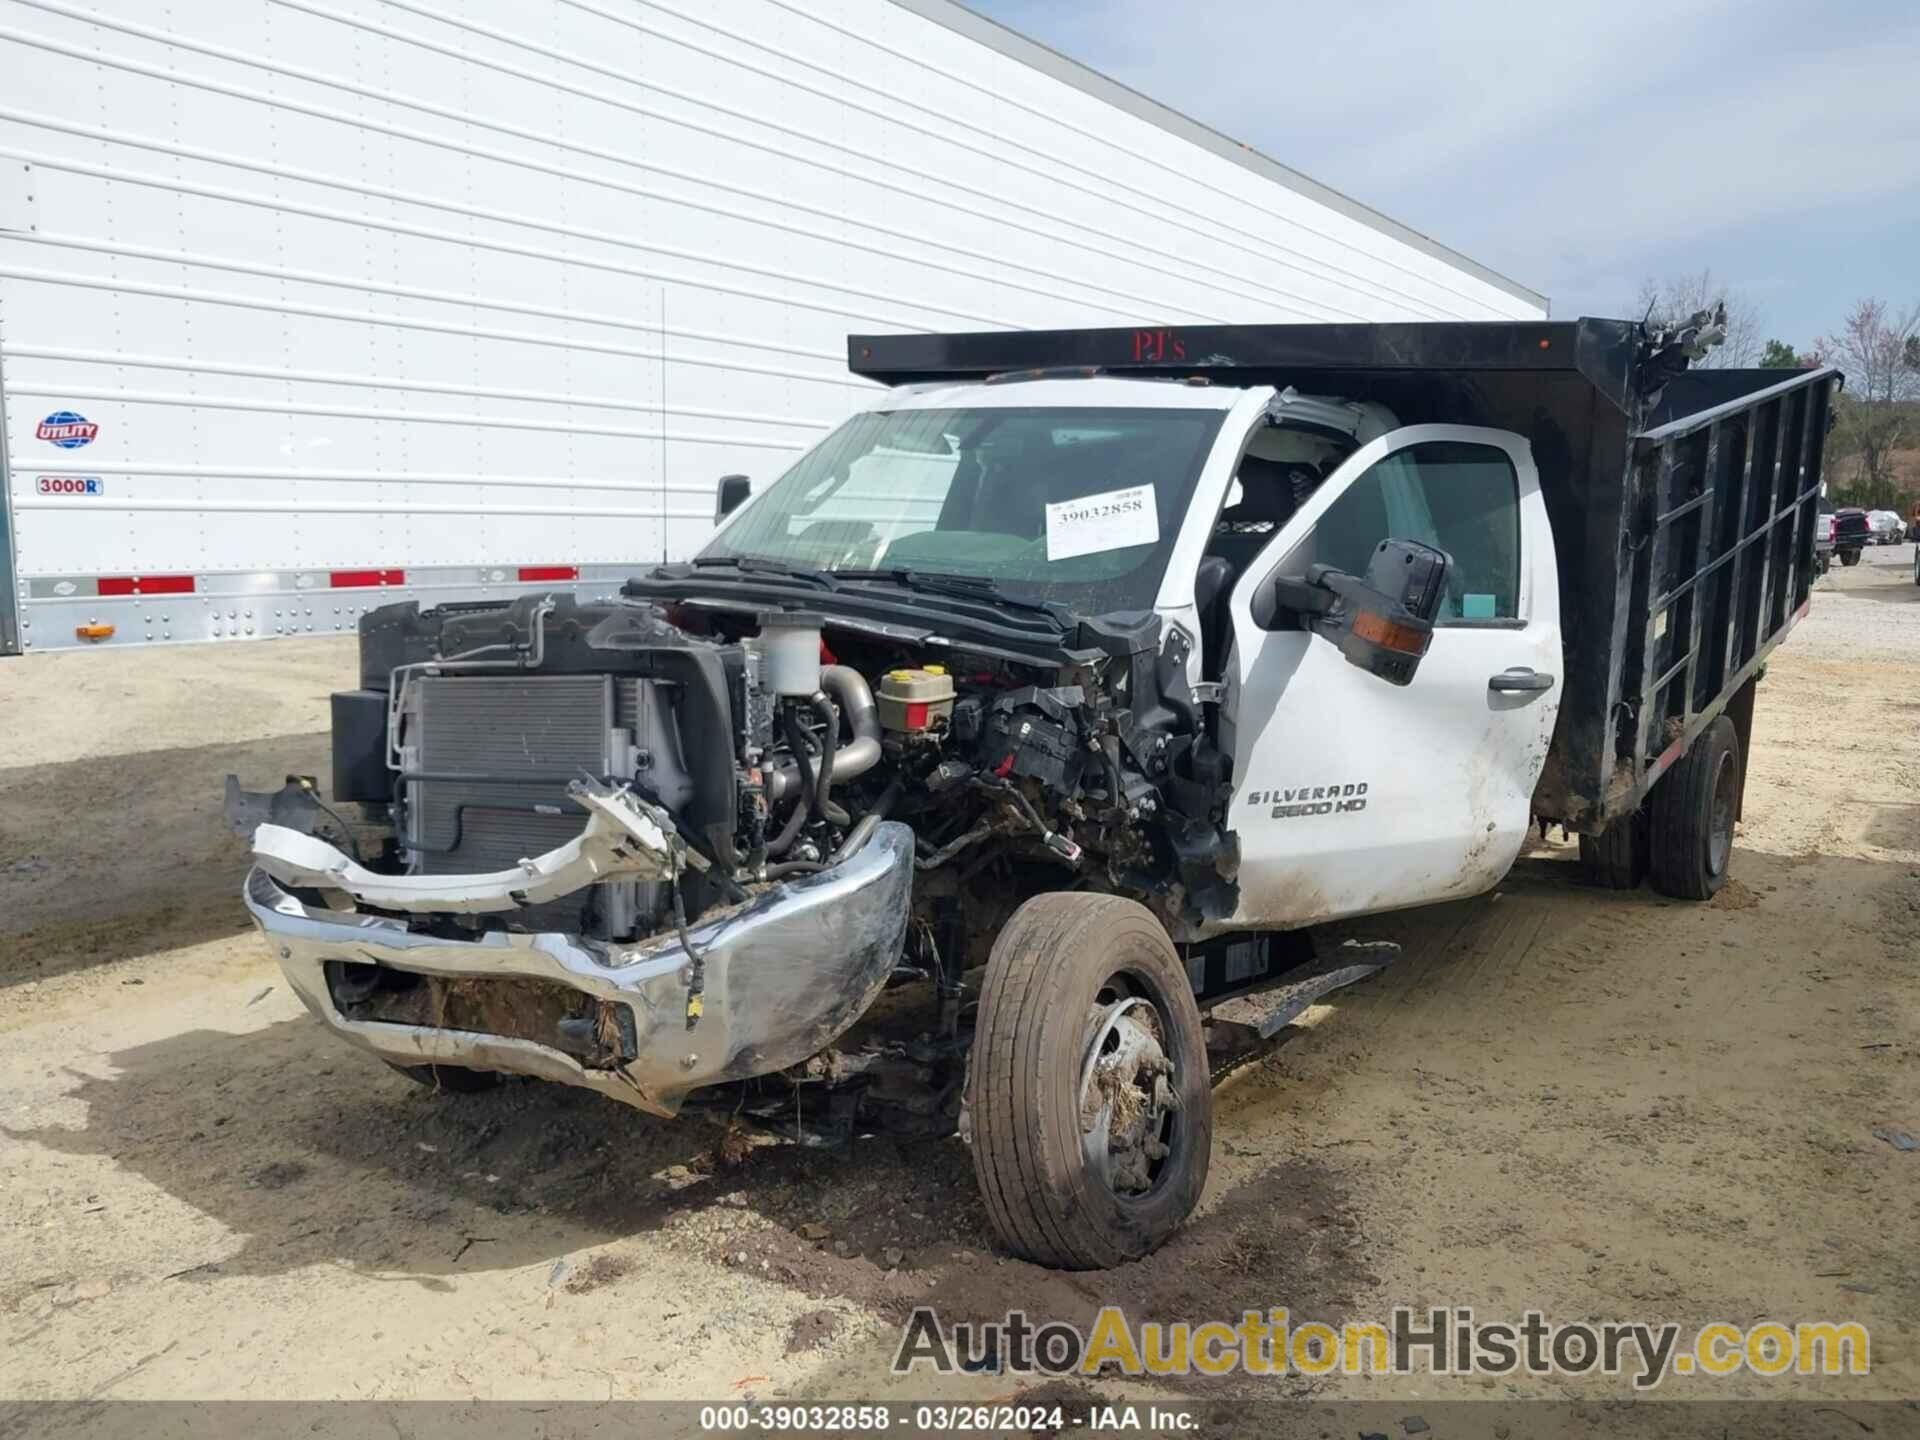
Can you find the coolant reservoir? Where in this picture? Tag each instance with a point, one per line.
(789, 645)
(913, 701)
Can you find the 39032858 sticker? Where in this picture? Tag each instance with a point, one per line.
(67, 430)
(1111, 520)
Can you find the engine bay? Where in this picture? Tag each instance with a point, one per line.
(777, 740)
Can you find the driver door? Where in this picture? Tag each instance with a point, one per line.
(1353, 795)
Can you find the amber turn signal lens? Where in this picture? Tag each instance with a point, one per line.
(1378, 630)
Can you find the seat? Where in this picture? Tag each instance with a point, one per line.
(1267, 501)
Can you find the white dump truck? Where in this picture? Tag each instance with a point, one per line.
(1033, 715)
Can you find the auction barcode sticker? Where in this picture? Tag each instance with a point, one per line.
(1109, 521)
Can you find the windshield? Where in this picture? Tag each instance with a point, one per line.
(1075, 505)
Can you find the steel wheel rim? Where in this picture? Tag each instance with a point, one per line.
(1128, 1097)
(1720, 834)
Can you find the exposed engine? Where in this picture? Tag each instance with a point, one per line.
(777, 742)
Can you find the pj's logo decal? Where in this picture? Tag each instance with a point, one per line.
(67, 430)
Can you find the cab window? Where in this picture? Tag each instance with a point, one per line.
(1461, 497)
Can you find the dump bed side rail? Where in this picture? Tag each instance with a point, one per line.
(1722, 538)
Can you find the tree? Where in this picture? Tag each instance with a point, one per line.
(1878, 349)
(1779, 355)
(1672, 301)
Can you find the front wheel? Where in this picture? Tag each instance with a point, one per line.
(1691, 815)
(1088, 1099)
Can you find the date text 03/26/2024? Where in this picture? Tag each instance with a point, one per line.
(959, 1419)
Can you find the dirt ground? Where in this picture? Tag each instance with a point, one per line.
(1599, 1105)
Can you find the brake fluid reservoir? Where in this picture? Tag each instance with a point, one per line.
(914, 701)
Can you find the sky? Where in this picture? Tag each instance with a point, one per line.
(1576, 148)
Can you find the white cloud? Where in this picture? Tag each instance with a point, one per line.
(1569, 145)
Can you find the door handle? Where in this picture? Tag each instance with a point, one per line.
(1521, 679)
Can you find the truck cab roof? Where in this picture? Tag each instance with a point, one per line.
(1062, 392)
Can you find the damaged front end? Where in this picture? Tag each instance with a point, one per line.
(647, 846)
(748, 989)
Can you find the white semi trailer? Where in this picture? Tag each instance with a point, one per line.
(307, 306)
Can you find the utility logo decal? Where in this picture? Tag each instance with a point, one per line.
(71, 485)
(67, 430)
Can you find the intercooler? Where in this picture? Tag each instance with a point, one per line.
(495, 753)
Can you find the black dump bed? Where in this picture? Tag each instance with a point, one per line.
(1682, 501)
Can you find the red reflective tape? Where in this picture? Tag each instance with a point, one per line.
(145, 584)
(549, 572)
(355, 579)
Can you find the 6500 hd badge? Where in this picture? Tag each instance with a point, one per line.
(1342, 799)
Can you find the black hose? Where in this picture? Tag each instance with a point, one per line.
(1110, 753)
(790, 832)
(795, 867)
(829, 742)
(869, 822)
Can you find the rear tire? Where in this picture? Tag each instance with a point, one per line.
(1691, 814)
(451, 1079)
(1617, 858)
(1064, 1141)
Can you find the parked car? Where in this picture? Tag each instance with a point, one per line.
(1887, 527)
(1823, 531)
(1851, 534)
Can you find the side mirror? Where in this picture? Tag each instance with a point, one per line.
(732, 494)
(1382, 621)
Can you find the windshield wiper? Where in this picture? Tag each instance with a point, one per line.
(961, 587)
(759, 565)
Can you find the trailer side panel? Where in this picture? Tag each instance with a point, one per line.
(320, 304)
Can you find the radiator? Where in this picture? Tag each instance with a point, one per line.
(559, 726)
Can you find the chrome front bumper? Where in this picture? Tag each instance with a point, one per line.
(785, 974)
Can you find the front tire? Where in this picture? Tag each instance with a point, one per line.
(1088, 1094)
(1691, 817)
